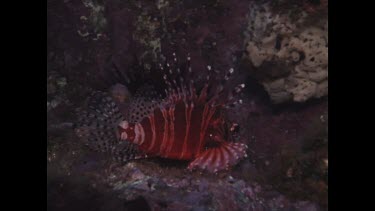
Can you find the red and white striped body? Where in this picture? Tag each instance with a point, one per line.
(185, 132)
(176, 132)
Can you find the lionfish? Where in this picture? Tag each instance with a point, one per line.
(185, 122)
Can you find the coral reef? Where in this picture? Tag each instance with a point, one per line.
(200, 192)
(55, 90)
(287, 164)
(291, 55)
(95, 24)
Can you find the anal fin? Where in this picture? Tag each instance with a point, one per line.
(220, 157)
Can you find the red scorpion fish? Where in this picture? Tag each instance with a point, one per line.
(185, 124)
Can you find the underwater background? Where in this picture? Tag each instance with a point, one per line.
(278, 49)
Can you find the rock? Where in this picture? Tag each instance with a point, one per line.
(301, 89)
(322, 89)
(239, 185)
(203, 185)
(277, 85)
(249, 193)
(318, 76)
(61, 82)
(51, 88)
(297, 49)
(96, 19)
(306, 206)
(230, 179)
(137, 175)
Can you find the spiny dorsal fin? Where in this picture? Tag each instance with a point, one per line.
(182, 84)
